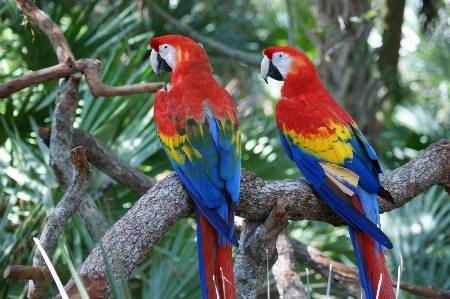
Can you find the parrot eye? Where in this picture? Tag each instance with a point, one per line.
(279, 55)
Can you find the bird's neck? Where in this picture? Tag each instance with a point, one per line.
(191, 72)
(302, 83)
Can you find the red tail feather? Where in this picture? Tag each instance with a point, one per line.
(371, 261)
(217, 263)
(374, 266)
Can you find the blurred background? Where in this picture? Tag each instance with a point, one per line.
(387, 62)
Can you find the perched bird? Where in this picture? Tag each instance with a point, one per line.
(333, 155)
(199, 129)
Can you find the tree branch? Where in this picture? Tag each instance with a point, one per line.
(346, 278)
(98, 89)
(53, 32)
(66, 104)
(106, 160)
(135, 234)
(91, 70)
(56, 221)
(285, 271)
(40, 274)
(257, 252)
(245, 57)
(61, 70)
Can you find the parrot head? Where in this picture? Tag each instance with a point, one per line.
(279, 62)
(172, 52)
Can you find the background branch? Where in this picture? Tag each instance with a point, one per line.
(346, 278)
(106, 160)
(246, 57)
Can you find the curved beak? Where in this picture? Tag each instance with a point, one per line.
(155, 61)
(158, 63)
(265, 64)
(268, 69)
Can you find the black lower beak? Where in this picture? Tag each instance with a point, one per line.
(274, 72)
(162, 64)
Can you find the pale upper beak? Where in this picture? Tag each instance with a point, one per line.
(155, 61)
(265, 65)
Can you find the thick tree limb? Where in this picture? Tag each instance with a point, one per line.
(105, 160)
(134, 235)
(91, 70)
(142, 227)
(285, 271)
(246, 57)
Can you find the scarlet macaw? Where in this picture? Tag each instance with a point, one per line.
(199, 129)
(333, 155)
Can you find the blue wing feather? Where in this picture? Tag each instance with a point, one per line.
(213, 181)
(336, 199)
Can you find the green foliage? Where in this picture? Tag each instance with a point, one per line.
(174, 270)
(421, 240)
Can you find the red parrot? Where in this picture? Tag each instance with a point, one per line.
(199, 129)
(333, 155)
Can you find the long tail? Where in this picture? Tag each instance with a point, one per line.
(215, 262)
(369, 253)
(372, 266)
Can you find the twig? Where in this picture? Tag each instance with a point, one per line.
(138, 231)
(429, 292)
(246, 57)
(346, 278)
(56, 221)
(105, 160)
(98, 89)
(21, 272)
(91, 69)
(285, 271)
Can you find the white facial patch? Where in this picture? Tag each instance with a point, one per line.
(282, 61)
(168, 53)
